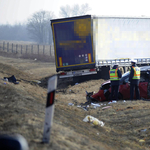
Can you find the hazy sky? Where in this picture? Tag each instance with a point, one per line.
(17, 11)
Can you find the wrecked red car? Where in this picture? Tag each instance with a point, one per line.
(124, 89)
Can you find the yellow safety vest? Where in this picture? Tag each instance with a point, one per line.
(114, 75)
(136, 72)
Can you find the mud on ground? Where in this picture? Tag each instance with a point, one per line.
(22, 111)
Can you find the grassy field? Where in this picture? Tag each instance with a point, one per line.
(22, 111)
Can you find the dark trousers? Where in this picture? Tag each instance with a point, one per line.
(137, 93)
(114, 92)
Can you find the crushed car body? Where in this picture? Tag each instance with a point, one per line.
(124, 89)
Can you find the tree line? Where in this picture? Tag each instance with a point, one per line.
(38, 28)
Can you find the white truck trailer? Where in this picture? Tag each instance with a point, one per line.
(88, 44)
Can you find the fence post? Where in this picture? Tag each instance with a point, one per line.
(38, 49)
(21, 49)
(43, 49)
(50, 50)
(16, 48)
(3, 45)
(8, 47)
(31, 49)
(12, 48)
(26, 48)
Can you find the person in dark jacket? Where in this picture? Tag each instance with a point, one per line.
(134, 80)
(115, 75)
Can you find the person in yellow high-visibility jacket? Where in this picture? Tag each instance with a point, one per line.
(134, 80)
(115, 75)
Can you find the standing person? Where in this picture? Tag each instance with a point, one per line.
(115, 75)
(134, 80)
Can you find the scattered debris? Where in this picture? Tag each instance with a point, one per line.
(76, 83)
(70, 104)
(95, 105)
(142, 142)
(93, 120)
(85, 108)
(36, 81)
(106, 107)
(112, 102)
(144, 130)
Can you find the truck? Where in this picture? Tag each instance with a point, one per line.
(91, 45)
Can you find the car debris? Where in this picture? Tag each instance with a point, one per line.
(106, 107)
(112, 102)
(84, 108)
(95, 105)
(142, 142)
(144, 130)
(36, 81)
(93, 120)
(70, 104)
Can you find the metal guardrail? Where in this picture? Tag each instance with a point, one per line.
(121, 62)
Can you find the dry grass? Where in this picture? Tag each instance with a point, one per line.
(22, 110)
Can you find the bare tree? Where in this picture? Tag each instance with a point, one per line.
(65, 11)
(75, 10)
(39, 27)
(84, 9)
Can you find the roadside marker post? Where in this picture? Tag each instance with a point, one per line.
(49, 112)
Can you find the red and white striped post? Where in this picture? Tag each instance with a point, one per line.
(52, 85)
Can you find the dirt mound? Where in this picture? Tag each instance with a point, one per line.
(19, 109)
(8, 71)
(22, 111)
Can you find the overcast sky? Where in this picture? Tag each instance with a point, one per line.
(17, 11)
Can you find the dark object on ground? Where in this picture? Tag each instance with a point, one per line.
(12, 79)
(16, 142)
